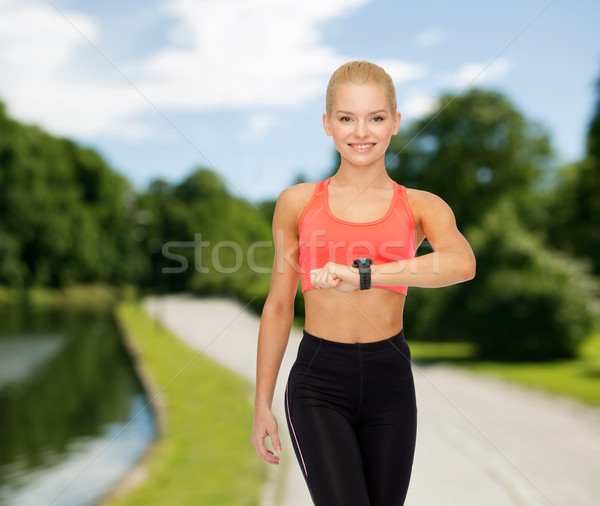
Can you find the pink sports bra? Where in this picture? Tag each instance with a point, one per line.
(325, 238)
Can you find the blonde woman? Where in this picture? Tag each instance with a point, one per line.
(351, 240)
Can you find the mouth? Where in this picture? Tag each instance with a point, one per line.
(362, 148)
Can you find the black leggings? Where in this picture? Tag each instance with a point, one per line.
(352, 416)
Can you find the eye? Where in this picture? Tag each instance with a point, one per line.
(378, 119)
(345, 119)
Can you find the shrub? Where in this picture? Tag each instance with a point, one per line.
(526, 302)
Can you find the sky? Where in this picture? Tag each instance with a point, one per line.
(161, 87)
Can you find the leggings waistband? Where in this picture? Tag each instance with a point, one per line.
(311, 341)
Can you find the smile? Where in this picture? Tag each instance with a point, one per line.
(361, 148)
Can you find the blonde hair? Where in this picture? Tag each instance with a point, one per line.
(360, 72)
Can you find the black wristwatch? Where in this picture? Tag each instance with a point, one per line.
(364, 269)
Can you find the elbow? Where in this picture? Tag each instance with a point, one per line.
(278, 308)
(468, 268)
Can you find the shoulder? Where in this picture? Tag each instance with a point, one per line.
(422, 197)
(292, 201)
(426, 204)
(297, 193)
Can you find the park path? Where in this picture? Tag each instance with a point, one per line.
(480, 440)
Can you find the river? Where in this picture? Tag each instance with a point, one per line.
(73, 415)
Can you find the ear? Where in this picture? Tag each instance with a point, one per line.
(396, 123)
(326, 125)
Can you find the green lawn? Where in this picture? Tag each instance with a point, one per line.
(205, 455)
(577, 378)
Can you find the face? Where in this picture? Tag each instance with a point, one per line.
(361, 123)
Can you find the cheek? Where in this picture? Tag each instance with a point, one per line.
(384, 131)
(340, 131)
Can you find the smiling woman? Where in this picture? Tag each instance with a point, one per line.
(351, 239)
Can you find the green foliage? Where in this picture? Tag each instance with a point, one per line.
(573, 223)
(493, 167)
(215, 243)
(66, 216)
(472, 151)
(526, 302)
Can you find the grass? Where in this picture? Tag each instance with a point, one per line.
(205, 455)
(577, 378)
(90, 295)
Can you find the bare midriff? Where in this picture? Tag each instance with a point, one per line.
(353, 317)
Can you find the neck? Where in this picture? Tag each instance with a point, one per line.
(360, 177)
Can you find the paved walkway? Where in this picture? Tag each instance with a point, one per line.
(480, 440)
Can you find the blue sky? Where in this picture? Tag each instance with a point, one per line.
(160, 87)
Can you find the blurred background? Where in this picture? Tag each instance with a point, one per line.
(127, 127)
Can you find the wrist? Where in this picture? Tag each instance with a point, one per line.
(262, 405)
(355, 277)
(375, 271)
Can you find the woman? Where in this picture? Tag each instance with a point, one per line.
(351, 239)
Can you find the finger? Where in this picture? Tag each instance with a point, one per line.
(275, 441)
(313, 279)
(318, 278)
(326, 279)
(270, 457)
(332, 279)
(265, 454)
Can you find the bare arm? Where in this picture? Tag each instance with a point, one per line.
(276, 322)
(451, 262)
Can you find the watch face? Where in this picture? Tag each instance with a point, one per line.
(362, 262)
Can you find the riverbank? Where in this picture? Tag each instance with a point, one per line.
(90, 295)
(203, 455)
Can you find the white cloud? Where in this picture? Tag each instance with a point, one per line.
(220, 53)
(259, 125)
(429, 38)
(414, 104)
(402, 72)
(474, 73)
(238, 53)
(39, 54)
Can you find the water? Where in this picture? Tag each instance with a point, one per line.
(72, 417)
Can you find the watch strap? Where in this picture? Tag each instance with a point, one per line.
(364, 270)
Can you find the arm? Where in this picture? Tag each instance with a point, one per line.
(276, 323)
(451, 262)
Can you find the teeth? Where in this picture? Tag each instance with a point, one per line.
(362, 146)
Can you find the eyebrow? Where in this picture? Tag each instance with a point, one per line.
(350, 113)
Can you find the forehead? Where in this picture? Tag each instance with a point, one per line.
(360, 97)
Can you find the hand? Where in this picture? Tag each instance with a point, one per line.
(265, 425)
(340, 277)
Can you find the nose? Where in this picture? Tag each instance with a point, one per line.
(361, 129)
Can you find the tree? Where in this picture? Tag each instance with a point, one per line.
(490, 164)
(573, 220)
(526, 302)
(204, 240)
(472, 151)
(66, 217)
